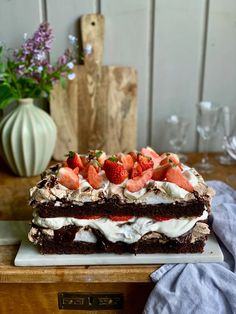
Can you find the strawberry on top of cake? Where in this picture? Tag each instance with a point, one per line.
(132, 177)
(133, 170)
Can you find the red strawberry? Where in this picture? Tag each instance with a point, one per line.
(136, 170)
(68, 178)
(74, 160)
(127, 161)
(170, 158)
(95, 164)
(134, 155)
(175, 175)
(84, 160)
(90, 217)
(136, 184)
(76, 170)
(159, 173)
(120, 218)
(115, 172)
(149, 152)
(145, 161)
(84, 171)
(160, 218)
(93, 178)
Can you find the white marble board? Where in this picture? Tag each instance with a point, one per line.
(28, 255)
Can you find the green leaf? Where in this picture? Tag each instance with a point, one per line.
(6, 96)
(63, 82)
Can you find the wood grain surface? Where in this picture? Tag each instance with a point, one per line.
(98, 109)
(43, 298)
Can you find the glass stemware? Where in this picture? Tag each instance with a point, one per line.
(231, 149)
(207, 121)
(228, 120)
(178, 130)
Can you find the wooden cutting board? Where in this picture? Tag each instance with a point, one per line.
(98, 109)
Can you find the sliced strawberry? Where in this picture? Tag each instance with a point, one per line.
(120, 218)
(159, 173)
(98, 155)
(149, 152)
(160, 218)
(134, 155)
(93, 178)
(90, 217)
(84, 171)
(115, 172)
(76, 170)
(170, 158)
(145, 161)
(96, 164)
(136, 170)
(126, 160)
(84, 160)
(102, 157)
(68, 178)
(74, 160)
(136, 184)
(175, 175)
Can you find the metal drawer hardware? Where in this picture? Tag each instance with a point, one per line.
(90, 301)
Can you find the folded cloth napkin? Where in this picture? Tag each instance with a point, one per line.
(203, 287)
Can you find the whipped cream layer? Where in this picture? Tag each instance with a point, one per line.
(155, 192)
(130, 231)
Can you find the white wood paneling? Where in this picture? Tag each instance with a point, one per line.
(165, 45)
(64, 16)
(220, 64)
(178, 45)
(16, 18)
(127, 33)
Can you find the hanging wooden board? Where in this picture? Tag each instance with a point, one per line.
(98, 109)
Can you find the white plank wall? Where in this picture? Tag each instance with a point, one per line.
(220, 65)
(64, 20)
(184, 50)
(178, 44)
(18, 17)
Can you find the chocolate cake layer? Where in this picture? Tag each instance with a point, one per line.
(192, 208)
(62, 242)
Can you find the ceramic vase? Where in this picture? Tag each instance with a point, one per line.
(27, 138)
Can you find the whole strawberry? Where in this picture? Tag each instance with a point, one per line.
(74, 160)
(115, 172)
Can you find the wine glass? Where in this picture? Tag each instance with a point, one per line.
(178, 130)
(228, 119)
(231, 150)
(207, 120)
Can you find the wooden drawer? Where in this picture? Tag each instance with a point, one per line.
(38, 298)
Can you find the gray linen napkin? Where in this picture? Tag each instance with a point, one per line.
(204, 287)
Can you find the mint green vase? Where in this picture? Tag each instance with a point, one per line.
(27, 138)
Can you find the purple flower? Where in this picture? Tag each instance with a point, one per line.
(31, 62)
(62, 60)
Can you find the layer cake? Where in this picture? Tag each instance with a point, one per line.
(139, 202)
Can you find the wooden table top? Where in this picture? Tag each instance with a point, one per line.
(14, 206)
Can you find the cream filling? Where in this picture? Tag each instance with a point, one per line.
(128, 232)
